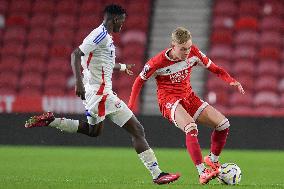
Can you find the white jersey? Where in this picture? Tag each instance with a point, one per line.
(98, 61)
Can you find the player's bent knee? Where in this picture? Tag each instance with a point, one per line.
(223, 125)
(190, 127)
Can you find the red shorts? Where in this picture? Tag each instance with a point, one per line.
(192, 104)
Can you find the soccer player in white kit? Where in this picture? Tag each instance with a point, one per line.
(97, 57)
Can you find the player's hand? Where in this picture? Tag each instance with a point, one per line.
(80, 90)
(239, 86)
(128, 70)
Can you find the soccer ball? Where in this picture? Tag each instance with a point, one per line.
(230, 174)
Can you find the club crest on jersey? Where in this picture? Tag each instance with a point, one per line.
(118, 104)
(145, 70)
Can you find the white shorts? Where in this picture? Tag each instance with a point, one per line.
(98, 107)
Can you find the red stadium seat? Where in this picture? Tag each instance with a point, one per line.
(221, 37)
(59, 66)
(217, 97)
(31, 80)
(17, 20)
(282, 100)
(223, 23)
(36, 51)
(133, 36)
(138, 7)
(10, 64)
(266, 83)
(136, 22)
(39, 35)
(247, 23)
(55, 81)
(88, 22)
(80, 35)
(244, 52)
(271, 69)
(215, 83)
(249, 8)
(238, 99)
(269, 53)
(274, 8)
(271, 38)
(221, 51)
(58, 51)
(12, 35)
(33, 65)
(55, 91)
(4, 6)
(41, 21)
(12, 50)
(270, 99)
(67, 7)
(30, 91)
(246, 38)
(40, 6)
(244, 69)
(271, 23)
(20, 6)
(8, 80)
(64, 22)
(247, 82)
(281, 86)
(90, 7)
(63, 36)
(225, 8)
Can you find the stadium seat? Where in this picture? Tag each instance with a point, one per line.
(221, 52)
(20, 6)
(8, 80)
(17, 20)
(247, 82)
(64, 22)
(266, 83)
(282, 100)
(133, 36)
(67, 7)
(271, 23)
(40, 6)
(36, 51)
(90, 7)
(249, 8)
(223, 23)
(271, 38)
(33, 65)
(12, 50)
(39, 35)
(138, 7)
(247, 23)
(221, 37)
(228, 8)
(246, 38)
(88, 22)
(55, 81)
(271, 69)
(63, 36)
(281, 85)
(274, 8)
(4, 7)
(10, 64)
(268, 52)
(12, 35)
(246, 52)
(30, 91)
(215, 83)
(243, 69)
(59, 66)
(31, 80)
(55, 91)
(136, 22)
(238, 99)
(41, 21)
(58, 51)
(268, 99)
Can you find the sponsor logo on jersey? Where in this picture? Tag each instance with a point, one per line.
(118, 104)
(179, 76)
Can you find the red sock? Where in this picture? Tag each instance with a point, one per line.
(218, 141)
(193, 147)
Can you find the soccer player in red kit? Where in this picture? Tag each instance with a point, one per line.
(178, 103)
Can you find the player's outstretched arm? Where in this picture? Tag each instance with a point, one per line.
(124, 68)
(220, 72)
(136, 88)
(75, 64)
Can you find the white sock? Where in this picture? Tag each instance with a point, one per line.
(213, 157)
(200, 168)
(67, 125)
(149, 160)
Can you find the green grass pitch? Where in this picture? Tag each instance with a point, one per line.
(80, 167)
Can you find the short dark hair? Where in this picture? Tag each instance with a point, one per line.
(114, 9)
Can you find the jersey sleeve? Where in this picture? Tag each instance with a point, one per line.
(203, 60)
(149, 69)
(91, 42)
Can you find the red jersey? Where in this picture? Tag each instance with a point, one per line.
(173, 77)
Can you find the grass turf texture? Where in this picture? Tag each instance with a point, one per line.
(78, 167)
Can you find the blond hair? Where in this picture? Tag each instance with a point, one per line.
(181, 35)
